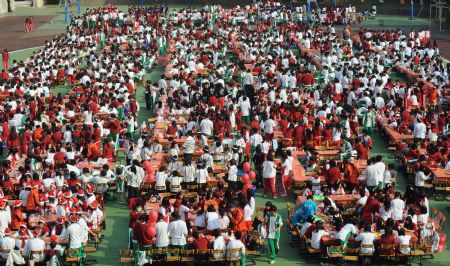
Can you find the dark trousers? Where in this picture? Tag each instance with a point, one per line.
(132, 192)
(188, 158)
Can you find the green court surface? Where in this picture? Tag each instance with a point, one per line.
(117, 213)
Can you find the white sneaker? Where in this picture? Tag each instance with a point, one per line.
(272, 262)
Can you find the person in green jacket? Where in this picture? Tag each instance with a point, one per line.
(274, 222)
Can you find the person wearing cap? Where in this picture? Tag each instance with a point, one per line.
(94, 216)
(5, 215)
(7, 243)
(17, 216)
(22, 237)
(62, 208)
(75, 234)
(59, 229)
(43, 229)
(34, 244)
(54, 252)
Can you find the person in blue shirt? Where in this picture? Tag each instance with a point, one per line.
(307, 208)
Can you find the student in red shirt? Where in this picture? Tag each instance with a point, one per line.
(333, 174)
(200, 242)
(308, 79)
(108, 150)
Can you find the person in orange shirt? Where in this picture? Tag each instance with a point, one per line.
(33, 202)
(94, 151)
(237, 220)
(37, 134)
(433, 97)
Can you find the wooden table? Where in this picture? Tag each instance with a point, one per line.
(91, 166)
(338, 199)
(441, 175)
(327, 154)
(397, 137)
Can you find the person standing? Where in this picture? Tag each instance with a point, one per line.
(189, 147)
(274, 222)
(178, 232)
(245, 110)
(269, 175)
(76, 236)
(5, 58)
(162, 236)
(369, 120)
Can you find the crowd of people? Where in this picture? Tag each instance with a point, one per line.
(244, 90)
(60, 149)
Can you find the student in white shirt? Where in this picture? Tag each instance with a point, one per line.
(398, 207)
(403, 241)
(421, 177)
(177, 230)
(348, 230)
(386, 209)
(232, 174)
(423, 216)
(175, 181)
(187, 172)
(366, 238)
(212, 219)
(161, 178)
(162, 236)
(75, 233)
(236, 244)
(317, 235)
(8, 243)
(201, 174)
(34, 244)
(286, 170)
(219, 244)
(269, 174)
